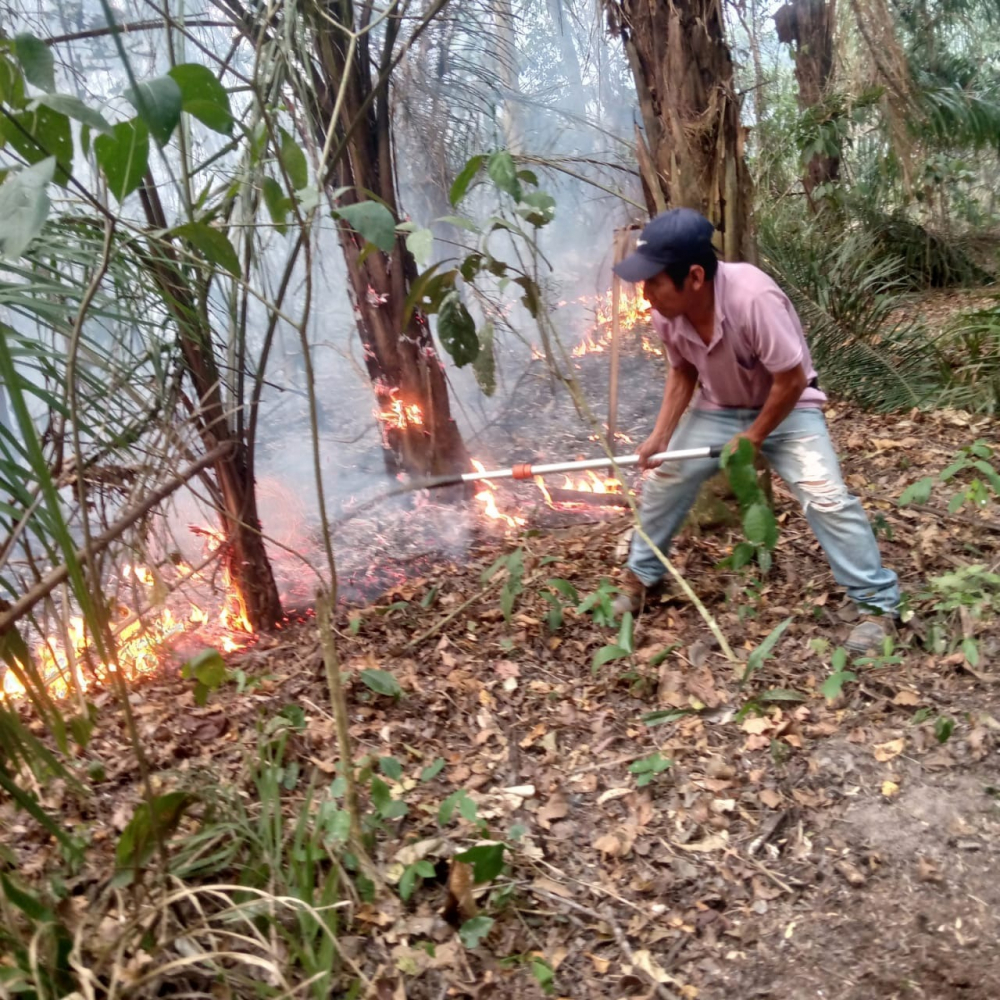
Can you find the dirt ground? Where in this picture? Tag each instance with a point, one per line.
(798, 846)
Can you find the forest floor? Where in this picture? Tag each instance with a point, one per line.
(797, 845)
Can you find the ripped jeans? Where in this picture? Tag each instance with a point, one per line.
(801, 452)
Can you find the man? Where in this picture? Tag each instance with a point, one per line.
(730, 328)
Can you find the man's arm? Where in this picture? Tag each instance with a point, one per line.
(785, 392)
(677, 392)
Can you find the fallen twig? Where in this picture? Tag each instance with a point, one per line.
(618, 933)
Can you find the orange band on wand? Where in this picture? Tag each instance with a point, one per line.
(522, 470)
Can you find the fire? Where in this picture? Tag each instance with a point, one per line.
(399, 415)
(634, 313)
(487, 498)
(142, 636)
(592, 483)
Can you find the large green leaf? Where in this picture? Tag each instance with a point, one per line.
(278, 204)
(37, 61)
(203, 96)
(39, 134)
(24, 206)
(158, 102)
(760, 526)
(503, 173)
(150, 823)
(372, 221)
(11, 78)
(486, 861)
(213, 245)
(294, 161)
(124, 156)
(464, 179)
(74, 108)
(457, 330)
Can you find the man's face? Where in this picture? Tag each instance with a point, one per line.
(669, 300)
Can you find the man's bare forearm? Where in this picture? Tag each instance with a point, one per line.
(786, 390)
(677, 395)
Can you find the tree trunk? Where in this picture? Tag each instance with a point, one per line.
(252, 594)
(807, 26)
(684, 80)
(419, 433)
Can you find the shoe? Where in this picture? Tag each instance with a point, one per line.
(869, 634)
(632, 594)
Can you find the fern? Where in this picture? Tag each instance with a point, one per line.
(846, 293)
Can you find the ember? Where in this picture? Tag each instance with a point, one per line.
(633, 312)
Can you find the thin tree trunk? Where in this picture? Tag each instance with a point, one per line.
(255, 601)
(683, 73)
(807, 26)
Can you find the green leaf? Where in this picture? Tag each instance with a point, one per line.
(74, 108)
(666, 715)
(39, 134)
(473, 931)
(503, 172)
(278, 205)
(203, 96)
(625, 632)
(839, 659)
(11, 79)
(943, 728)
(970, 648)
(24, 207)
(756, 659)
(565, 588)
(372, 221)
(432, 770)
(212, 244)
(391, 768)
(208, 668)
(990, 473)
(460, 800)
(537, 208)
(37, 61)
(158, 104)
(124, 156)
(544, 975)
(782, 694)
(834, 684)
(457, 330)
(150, 823)
(918, 492)
(420, 243)
(760, 526)
(953, 470)
(459, 222)
(381, 682)
(485, 366)
(608, 653)
(464, 179)
(293, 160)
(26, 902)
(486, 861)
(742, 555)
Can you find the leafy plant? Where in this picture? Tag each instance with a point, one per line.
(759, 524)
(759, 656)
(648, 768)
(974, 458)
(619, 650)
(599, 604)
(834, 684)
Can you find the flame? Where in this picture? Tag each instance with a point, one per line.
(634, 312)
(142, 638)
(399, 415)
(487, 498)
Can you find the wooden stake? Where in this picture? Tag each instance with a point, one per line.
(620, 246)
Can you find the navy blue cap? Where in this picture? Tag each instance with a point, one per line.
(677, 235)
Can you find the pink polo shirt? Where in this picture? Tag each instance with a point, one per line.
(757, 333)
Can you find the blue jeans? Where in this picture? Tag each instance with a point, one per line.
(801, 452)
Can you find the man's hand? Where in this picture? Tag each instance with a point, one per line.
(735, 443)
(653, 444)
